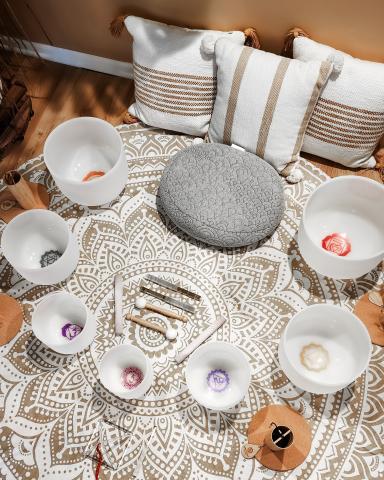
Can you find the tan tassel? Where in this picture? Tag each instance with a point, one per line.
(117, 26)
(129, 119)
(251, 38)
(289, 38)
(379, 157)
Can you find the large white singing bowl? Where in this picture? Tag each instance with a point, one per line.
(31, 237)
(352, 206)
(218, 375)
(80, 146)
(52, 317)
(324, 348)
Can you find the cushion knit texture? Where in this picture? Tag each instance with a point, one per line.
(264, 102)
(348, 120)
(222, 196)
(174, 74)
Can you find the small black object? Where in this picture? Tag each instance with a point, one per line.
(282, 436)
(49, 257)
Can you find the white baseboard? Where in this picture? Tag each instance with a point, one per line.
(79, 59)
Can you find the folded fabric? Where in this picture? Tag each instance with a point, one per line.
(348, 120)
(264, 103)
(174, 74)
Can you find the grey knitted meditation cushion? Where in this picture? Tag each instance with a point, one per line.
(221, 195)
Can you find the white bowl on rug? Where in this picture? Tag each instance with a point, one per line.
(218, 375)
(63, 323)
(40, 246)
(324, 348)
(126, 371)
(78, 151)
(353, 207)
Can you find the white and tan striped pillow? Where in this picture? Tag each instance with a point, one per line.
(348, 120)
(174, 74)
(264, 102)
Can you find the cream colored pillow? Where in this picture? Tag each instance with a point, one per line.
(348, 120)
(174, 74)
(264, 103)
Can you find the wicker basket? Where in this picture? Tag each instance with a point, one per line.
(15, 111)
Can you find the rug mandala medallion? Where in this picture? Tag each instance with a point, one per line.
(51, 404)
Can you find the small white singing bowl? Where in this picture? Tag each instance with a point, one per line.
(350, 206)
(126, 371)
(218, 375)
(63, 323)
(86, 158)
(324, 348)
(40, 246)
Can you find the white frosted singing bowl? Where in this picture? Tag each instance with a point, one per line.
(63, 323)
(120, 371)
(324, 348)
(218, 375)
(79, 150)
(350, 206)
(40, 246)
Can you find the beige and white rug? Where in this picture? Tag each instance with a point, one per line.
(50, 404)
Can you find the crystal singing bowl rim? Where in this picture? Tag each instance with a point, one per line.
(109, 360)
(198, 356)
(57, 130)
(33, 213)
(319, 191)
(73, 298)
(301, 316)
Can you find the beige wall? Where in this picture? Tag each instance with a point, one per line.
(354, 26)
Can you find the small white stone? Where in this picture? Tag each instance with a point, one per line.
(171, 333)
(140, 302)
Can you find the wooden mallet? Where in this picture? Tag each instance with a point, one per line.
(169, 333)
(141, 303)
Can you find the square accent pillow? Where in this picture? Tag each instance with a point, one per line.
(264, 103)
(174, 74)
(348, 120)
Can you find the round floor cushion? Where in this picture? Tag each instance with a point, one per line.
(222, 195)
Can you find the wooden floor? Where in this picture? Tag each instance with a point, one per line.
(60, 92)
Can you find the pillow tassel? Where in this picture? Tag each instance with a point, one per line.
(295, 176)
(295, 32)
(251, 38)
(116, 27)
(337, 60)
(208, 44)
(129, 119)
(379, 157)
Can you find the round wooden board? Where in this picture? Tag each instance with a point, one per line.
(11, 318)
(369, 314)
(292, 456)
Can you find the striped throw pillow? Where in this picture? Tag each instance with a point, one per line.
(348, 120)
(174, 74)
(264, 102)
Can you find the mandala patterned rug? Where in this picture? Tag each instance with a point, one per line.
(51, 404)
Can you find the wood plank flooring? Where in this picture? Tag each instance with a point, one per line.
(60, 92)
